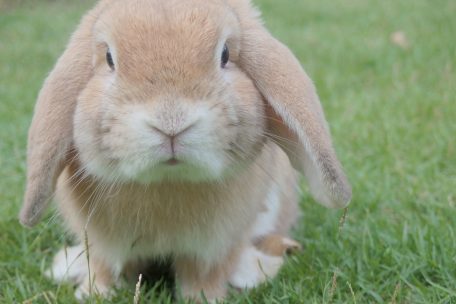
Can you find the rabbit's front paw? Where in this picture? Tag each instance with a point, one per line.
(70, 266)
(96, 288)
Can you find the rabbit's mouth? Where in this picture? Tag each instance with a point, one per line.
(173, 161)
(177, 169)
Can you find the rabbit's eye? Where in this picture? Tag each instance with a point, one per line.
(109, 59)
(225, 56)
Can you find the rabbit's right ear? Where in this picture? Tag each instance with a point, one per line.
(51, 131)
(295, 117)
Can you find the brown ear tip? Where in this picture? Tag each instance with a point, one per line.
(27, 221)
(30, 215)
(334, 194)
(342, 196)
(34, 205)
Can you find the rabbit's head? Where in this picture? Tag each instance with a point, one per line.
(168, 99)
(179, 90)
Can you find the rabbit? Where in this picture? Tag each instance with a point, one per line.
(177, 129)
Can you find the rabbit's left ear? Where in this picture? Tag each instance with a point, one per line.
(51, 131)
(295, 117)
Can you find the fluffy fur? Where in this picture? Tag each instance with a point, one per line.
(168, 154)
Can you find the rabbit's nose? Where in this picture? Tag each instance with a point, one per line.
(172, 135)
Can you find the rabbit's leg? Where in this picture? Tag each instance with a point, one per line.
(70, 266)
(99, 281)
(277, 245)
(280, 212)
(195, 277)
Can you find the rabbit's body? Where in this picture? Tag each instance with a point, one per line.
(204, 220)
(174, 129)
(208, 222)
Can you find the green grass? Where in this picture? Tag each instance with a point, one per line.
(392, 113)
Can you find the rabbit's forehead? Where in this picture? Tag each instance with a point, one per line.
(149, 23)
(150, 35)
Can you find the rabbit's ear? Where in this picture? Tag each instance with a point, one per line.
(295, 117)
(51, 131)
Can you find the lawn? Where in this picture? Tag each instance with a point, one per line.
(391, 107)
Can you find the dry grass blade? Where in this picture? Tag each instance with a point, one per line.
(332, 291)
(138, 290)
(342, 220)
(399, 38)
(47, 295)
(352, 292)
(86, 243)
(396, 293)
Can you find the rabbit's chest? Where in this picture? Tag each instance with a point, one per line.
(133, 220)
(156, 223)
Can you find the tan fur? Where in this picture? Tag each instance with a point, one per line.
(109, 131)
(289, 211)
(195, 276)
(274, 69)
(50, 133)
(277, 245)
(100, 282)
(156, 220)
(297, 112)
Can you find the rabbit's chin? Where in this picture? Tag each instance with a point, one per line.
(180, 172)
(215, 169)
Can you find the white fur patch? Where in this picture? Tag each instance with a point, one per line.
(69, 265)
(290, 243)
(254, 267)
(266, 221)
(83, 292)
